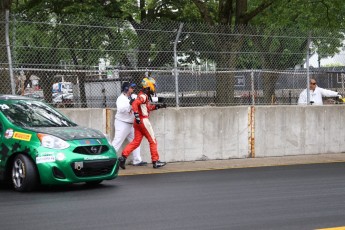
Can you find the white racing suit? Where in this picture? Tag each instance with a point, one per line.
(124, 126)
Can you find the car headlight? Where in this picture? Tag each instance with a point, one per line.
(52, 142)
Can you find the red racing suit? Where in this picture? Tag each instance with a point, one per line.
(142, 106)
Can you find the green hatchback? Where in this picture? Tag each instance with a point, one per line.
(39, 145)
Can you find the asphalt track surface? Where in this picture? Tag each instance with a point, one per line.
(285, 197)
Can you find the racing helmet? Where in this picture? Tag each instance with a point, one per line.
(149, 83)
(126, 85)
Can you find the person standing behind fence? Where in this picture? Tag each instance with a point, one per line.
(142, 125)
(315, 94)
(124, 121)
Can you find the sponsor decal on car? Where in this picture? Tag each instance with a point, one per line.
(89, 142)
(45, 159)
(9, 133)
(95, 158)
(4, 106)
(41, 154)
(22, 136)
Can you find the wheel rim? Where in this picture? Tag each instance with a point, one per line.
(18, 173)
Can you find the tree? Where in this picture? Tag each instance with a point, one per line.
(4, 74)
(275, 17)
(54, 31)
(289, 23)
(233, 20)
(233, 16)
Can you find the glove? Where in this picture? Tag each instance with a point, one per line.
(159, 106)
(132, 98)
(137, 118)
(339, 96)
(161, 99)
(154, 99)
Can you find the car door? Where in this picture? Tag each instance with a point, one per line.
(3, 152)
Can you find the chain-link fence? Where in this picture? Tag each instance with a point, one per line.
(82, 62)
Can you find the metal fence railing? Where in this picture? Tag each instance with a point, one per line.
(82, 63)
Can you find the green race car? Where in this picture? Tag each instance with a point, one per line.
(38, 145)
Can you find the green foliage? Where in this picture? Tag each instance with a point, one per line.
(321, 20)
(334, 65)
(279, 21)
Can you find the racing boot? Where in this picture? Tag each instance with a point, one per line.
(122, 162)
(158, 164)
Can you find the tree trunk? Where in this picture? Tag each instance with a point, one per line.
(46, 83)
(5, 86)
(82, 77)
(225, 89)
(144, 45)
(227, 62)
(270, 80)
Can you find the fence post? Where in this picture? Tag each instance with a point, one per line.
(9, 56)
(175, 64)
(253, 89)
(307, 66)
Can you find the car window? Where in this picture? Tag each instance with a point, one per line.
(27, 113)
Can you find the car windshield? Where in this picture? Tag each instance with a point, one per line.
(26, 113)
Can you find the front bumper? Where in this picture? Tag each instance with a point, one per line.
(93, 168)
(78, 171)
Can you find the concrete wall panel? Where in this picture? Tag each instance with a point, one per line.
(294, 130)
(297, 130)
(193, 133)
(93, 118)
(235, 132)
(279, 130)
(315, 127)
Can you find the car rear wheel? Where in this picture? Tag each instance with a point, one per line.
(24, 174)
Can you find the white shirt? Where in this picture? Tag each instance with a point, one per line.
(124, 109)
(315, 95)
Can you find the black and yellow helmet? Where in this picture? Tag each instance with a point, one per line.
(149, 82)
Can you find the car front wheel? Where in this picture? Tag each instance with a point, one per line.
(24, 174)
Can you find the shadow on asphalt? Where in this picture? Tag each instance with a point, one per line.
(62, 188)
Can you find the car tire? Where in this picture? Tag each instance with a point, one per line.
(93, 183)
(24, 174)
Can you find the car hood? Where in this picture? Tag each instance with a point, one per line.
(69, 133)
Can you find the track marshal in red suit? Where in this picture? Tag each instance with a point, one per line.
(142, 126)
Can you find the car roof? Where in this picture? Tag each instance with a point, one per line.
(13, 97)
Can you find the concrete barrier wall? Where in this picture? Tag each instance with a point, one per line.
(92, 118)
(298, 130)
(189, 134)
